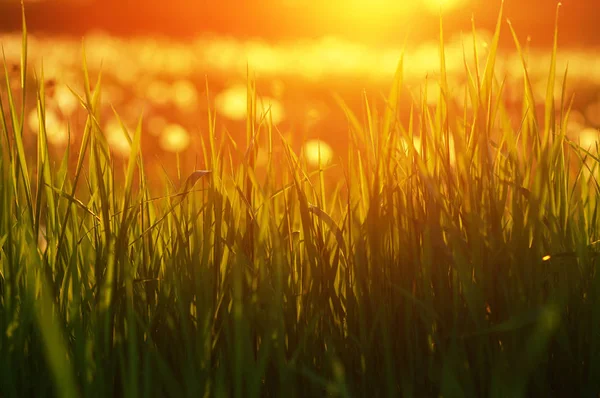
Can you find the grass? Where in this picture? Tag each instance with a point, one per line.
(425, 270)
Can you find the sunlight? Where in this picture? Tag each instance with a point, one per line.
(364, 8)
(270, 109)
(66, 100)
(232, 103)
(371, 12)
(56, 129)
(318, 152)
(158, 92)
(444, 5)
(588, 138)
(174, 138)
(592, 113)
(116, 139)
(156, 125)
(185, 95)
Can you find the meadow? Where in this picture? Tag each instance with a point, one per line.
(450, 253)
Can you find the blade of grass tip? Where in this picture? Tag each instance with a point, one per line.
(488, 73)
(48, 178)
(563, 107)
(23, 65)
(135, 149)
(370, 127)
(356, 128)
(475, 56)
(528, 88)
(389, 116)
(549, 110)
(44, 174)
(87, 132)
(39, 185)
(86, 74)
(18, 140)
(4, 126)
(444, 93)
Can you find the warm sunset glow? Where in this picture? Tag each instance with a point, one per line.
(184, 95)
(66, 101)
(56, 129)
(299, 198)
(444, 5)
(158, 92)
(588, 138)
(156, 125)
(378, 8)
(116, 138)
(318, 152)
(174, 138)
(232, 103)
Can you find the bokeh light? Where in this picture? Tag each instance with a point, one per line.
(318, 152)
(56, 128)
(184, 95)
(174, 138)
(233, 104)
(116, 138)
(588, 138)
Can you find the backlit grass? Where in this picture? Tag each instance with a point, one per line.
(451, 254)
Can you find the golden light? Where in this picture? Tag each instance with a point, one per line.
(575, 124)
(232, 103)
(366, 8)
(318, 152)
(443, 5)
(56, 129)
(270, 109)
(116, 138)
(416, 144)
(174, 138)
(588, 138)
(382, 14)
(156, 125)
(158, 92)
(185, 95)
(66, 100)
(592, 113)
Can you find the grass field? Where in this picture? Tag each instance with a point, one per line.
(453, 254)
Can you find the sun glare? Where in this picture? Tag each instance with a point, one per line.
(363, 10)
(175, 138)
(318, 152)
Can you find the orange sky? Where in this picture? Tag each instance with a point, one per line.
(360, 20)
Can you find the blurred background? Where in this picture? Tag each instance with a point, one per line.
(159, 57)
